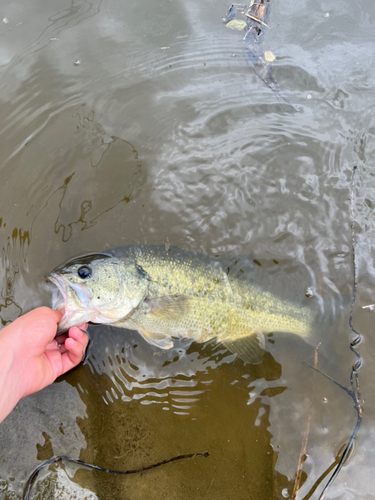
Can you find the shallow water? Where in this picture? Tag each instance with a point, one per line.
(126, 123)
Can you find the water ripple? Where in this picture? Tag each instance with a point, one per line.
(175, 379)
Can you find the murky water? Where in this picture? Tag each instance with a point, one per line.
(128, 122)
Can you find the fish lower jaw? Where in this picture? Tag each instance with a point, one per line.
(75, 318)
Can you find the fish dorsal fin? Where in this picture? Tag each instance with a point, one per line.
(168, 307)
(157, 339)
(250, 349)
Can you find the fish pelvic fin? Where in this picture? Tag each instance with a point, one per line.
(168, 307)
(250, 349)
(157, 339)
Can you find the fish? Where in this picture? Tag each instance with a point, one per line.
(166, 293)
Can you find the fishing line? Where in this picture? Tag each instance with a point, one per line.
(354, 376)
(355, 391)
(46, 463)
(324, 475)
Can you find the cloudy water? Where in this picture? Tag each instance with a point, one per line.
(143, 123)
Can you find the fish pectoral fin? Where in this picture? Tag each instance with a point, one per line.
(158, 339)
(168, 307)
(250, 349)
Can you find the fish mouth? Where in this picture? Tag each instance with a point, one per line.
(59, 295)
(71, 300)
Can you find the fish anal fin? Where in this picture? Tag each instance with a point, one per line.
(168, 307)
(157, 339)
(250, 349)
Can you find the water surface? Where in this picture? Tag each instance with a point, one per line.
(128, 123)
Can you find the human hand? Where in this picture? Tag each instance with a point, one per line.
(33, 358)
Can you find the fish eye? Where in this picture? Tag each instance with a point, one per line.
(84, 272)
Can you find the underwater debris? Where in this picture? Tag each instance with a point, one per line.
(256, 18)
(236, 24)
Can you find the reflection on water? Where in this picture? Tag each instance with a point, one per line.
(176, 379)
(57, 22)
(160, 134)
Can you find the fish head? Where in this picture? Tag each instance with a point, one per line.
(97, 288)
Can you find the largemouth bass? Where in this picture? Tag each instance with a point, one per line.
(164, 294)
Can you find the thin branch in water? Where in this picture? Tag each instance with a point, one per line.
(302, 455)
(256, 19)
(247, 32)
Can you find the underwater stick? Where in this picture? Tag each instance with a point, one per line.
(302, 455)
